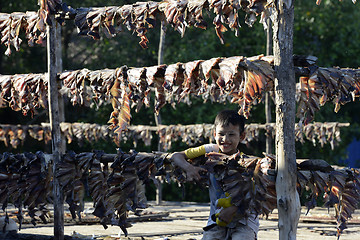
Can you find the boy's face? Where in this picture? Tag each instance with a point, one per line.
(228, 138)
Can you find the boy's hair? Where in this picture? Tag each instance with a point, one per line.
(225, 117)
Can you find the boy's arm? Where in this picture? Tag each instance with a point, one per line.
(192, 172)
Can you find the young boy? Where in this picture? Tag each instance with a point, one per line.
(229, 132)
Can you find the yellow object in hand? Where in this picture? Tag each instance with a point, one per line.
(220, 222)
(222, 203)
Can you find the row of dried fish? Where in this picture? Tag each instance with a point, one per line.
(25, 181)
(15, 135)
(137, 18)
(241, 80)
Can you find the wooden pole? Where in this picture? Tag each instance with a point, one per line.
(157, 116)
(288, 201)
(269, 47)
(161, 44)
(59, 68)
(53, 94)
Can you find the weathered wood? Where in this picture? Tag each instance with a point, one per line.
(55, 128)
(287, 196)
(158, 184)
(58, 49)
(269, 46)
(161, 44)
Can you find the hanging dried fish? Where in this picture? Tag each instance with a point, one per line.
(155, 76)
(120, 101)
(225, 14)
(174, 12)
(326, 84)
(75, 81)
(48, 7)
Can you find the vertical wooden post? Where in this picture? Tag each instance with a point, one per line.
(288, 201)
(269, 46)
(158, 184)
(55, 128)
(59, 68)
(158, 117)
(161, 44)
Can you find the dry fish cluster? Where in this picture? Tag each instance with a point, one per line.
(327, 84)
(85, 131)
(319, 132)
(33, 24)
(250, 181)
(24, 92)
(247, 181)
(15, 135)
(141, 16)
(137, 17)
(244, 79)
(25, 181)
(241, 80)
(12, 24)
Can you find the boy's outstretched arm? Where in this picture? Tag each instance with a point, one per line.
(192, 172)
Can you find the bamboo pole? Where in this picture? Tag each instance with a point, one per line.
(288, 201)
(55, 128)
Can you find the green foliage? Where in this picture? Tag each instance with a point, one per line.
(329, 31)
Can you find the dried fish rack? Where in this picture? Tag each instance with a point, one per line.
(310, 100)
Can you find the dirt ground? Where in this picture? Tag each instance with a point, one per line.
(184, 221)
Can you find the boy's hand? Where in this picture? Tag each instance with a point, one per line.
(226, 214)
(192, 172)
